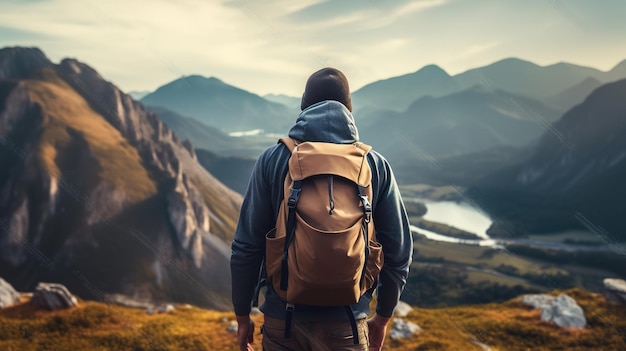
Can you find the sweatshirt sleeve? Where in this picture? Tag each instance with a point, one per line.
(394, 233)
(256, 218)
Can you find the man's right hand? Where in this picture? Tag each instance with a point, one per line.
(377, 328)
(245, 333)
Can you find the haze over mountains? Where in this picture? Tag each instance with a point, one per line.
(497, 115)
(512, 75)
(217, 104)
(494, 114)
(468, 121)
(512, 101)
(98, 194)
(102, 194)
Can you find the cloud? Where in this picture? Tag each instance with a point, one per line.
(273, 45)
(364, 14)
(9, 34)
(476, 49)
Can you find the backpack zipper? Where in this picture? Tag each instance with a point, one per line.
(331, 198)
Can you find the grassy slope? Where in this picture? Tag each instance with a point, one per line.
(479, 256)
(67, 114)
(506, 326)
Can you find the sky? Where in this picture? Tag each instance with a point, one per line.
(272, 46)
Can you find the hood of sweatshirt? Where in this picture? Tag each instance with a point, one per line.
(326, 121)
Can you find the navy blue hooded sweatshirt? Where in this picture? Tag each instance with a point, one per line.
(326, 121)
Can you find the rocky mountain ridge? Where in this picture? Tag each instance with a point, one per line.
(85, 171)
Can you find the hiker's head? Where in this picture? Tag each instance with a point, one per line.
(326, 84)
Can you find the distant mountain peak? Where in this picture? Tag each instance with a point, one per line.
(432, 69)
(219, 104)
(513, 60)
(214, 79)
(195, 82)
(620, 68)
(201, 77)
(196, 78)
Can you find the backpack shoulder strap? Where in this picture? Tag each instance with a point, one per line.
(364, 176)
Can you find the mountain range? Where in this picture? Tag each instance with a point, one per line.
(513, 75)
(468, 121)
(217, 104)
(458, 129)
(97, 193)
(573, 177)
(507, 103)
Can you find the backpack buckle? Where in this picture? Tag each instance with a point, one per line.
(367, 207)
(292, 201)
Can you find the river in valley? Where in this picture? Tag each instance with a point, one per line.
(463, 215)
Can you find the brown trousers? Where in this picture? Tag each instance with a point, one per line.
(313, 336)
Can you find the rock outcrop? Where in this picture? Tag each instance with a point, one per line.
(8, 295)
(402, 309)
(189, 216)
(164, 308)
(53, 296)
(615, 291)
(401, 329)
(561, 310)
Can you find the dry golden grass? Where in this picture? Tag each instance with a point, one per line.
(513, 326)
(68, 116)
(506, 326)
(97, 326)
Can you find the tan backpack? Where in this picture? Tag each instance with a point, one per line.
(323, 250)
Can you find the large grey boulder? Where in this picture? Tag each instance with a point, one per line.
(8, 295)
(402, 309)
(53, 296)
(561, 310)
(537, 301)
(615, 291)
(401, 329)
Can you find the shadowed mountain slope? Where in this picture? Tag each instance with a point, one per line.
(573, 177)
(469, 121)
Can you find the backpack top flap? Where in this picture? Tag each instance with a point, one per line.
(316, 158)
(347, 163)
